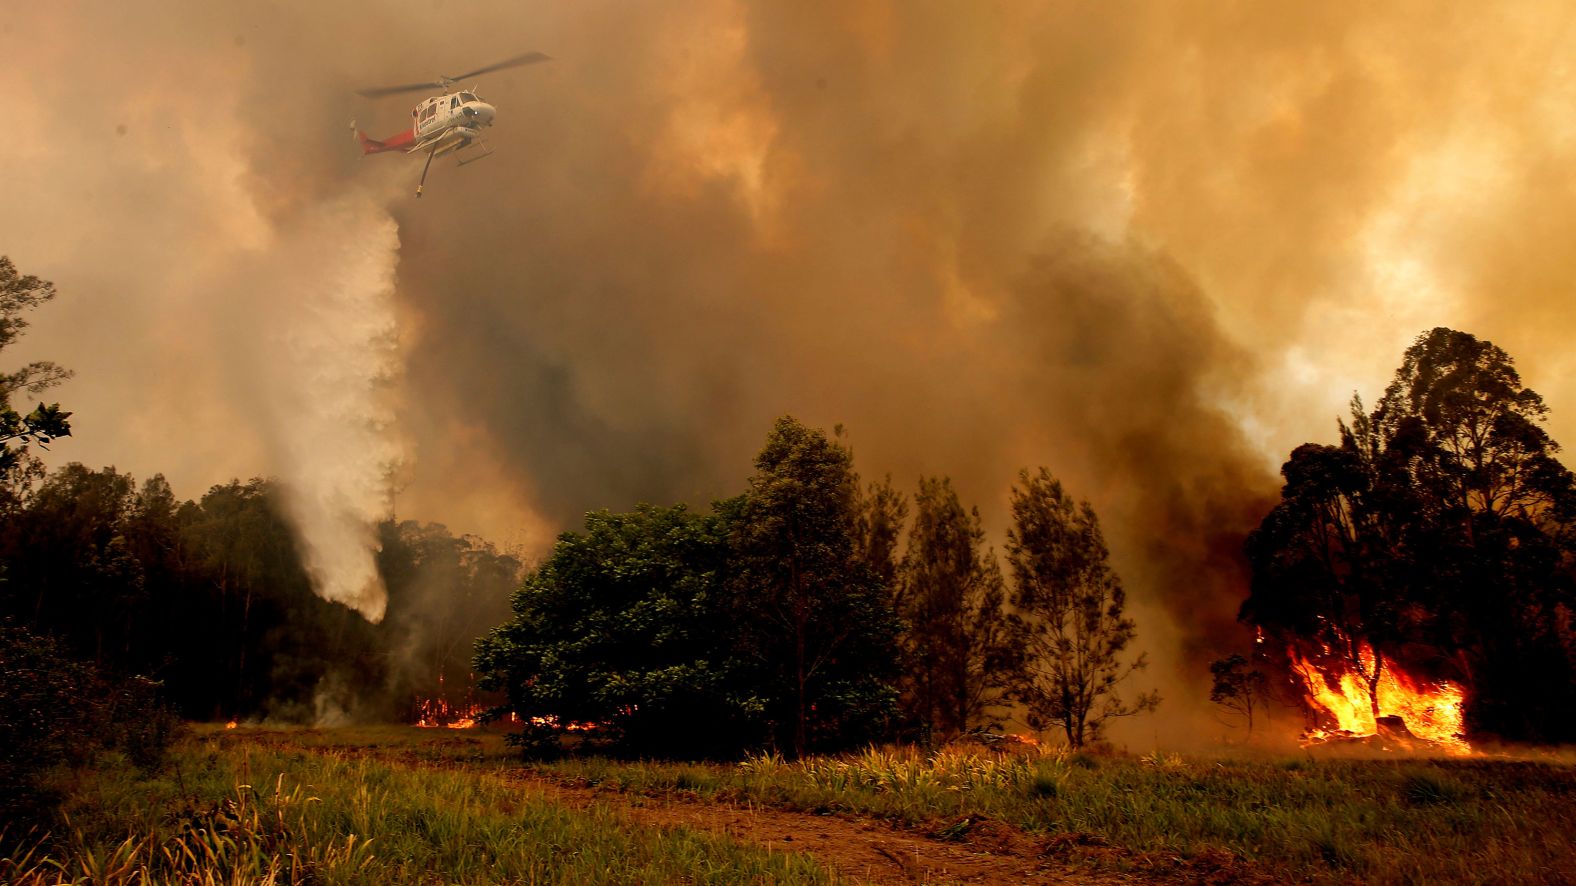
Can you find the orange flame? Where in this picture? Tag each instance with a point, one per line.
(1432, 712)
(231, 725)
(434, 713)
(571, 726)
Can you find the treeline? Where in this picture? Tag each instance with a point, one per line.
(794, 616)
(210, 601)
(1438, 537)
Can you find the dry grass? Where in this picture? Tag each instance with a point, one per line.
(393, 804)
(233, 811)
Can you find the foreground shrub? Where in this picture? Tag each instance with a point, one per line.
(56, 711)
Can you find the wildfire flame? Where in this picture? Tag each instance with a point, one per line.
(1432, 712)
(434, 713)
(231, 725)
(567, 727)
(439, 713)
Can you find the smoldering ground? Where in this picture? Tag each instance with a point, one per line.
(1153, 246)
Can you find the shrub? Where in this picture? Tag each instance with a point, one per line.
(56, 711)
(42, 717)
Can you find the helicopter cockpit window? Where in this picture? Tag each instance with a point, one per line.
(467, 97)
(454, 102)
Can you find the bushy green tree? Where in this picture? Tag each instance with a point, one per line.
(69, 567)
(760, 624)
(621, 627)
(1069, 606)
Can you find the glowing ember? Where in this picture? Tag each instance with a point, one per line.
(231, 725)
(1431, 712)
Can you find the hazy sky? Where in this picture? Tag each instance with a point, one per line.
(1153, 246)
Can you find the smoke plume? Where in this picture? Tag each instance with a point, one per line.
(1152, 246)
(330, 422)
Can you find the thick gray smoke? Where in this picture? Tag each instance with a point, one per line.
(1153, 246)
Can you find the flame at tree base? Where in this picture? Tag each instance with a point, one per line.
(1407, 709)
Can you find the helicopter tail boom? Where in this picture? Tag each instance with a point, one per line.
(399, 142)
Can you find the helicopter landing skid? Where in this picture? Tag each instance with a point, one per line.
(486, 152)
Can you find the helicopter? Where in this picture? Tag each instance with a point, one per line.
(444, 123)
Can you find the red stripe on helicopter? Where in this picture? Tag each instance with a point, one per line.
(393, 143)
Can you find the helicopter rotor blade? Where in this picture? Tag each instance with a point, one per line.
(530, 58)
(408, 87)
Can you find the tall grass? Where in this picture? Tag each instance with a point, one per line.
(402, 805)
(1409, 820)
(237, 813)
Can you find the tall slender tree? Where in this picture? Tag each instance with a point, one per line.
(815, 622)
(882, 512)
(951, 599)
(1070, 614)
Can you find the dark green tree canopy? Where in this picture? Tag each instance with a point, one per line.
(621, 627)
(763, 620)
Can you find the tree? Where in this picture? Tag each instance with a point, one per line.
(46, 422)
(951, 598)
(882, 511)
(1069, 617)
(443, 593)
(1238, 688)
(1437, 535)
(1326, 560)
(816, 624)
(621, 628)
(69, 567)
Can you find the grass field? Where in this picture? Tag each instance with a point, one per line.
(398, 805)
(265, 809)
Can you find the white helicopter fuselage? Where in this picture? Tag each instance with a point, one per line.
(450, 122)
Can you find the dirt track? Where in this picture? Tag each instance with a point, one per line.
(860, 850)
(866, 850)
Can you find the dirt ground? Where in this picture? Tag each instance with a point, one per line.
(865, 850)
(859, 850)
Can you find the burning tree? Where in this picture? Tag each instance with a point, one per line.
(1069, 618)
(1427, 557)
